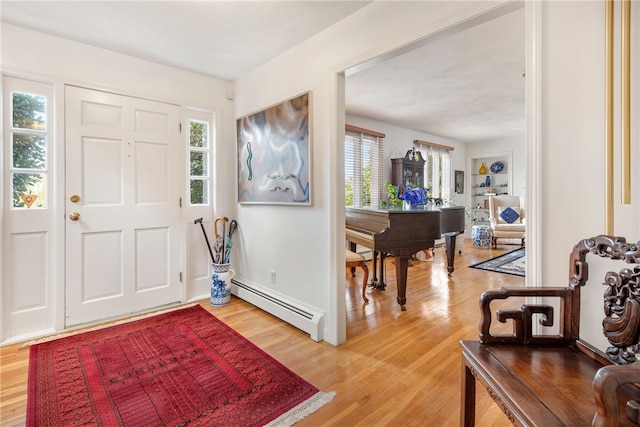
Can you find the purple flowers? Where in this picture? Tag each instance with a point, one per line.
(414, 196)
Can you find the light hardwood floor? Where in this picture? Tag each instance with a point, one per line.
(396, 368)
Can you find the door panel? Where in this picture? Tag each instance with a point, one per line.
(102, 174)
(152, 258)
(152, 165)
(101, 266)
(125, 162)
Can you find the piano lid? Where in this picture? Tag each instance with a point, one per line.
(449, 218)
(399, 210)
(395, 230)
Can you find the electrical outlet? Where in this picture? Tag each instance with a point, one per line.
(273, 277)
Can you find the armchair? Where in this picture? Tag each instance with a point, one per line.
(506, 218)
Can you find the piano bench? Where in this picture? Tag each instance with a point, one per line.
(356, 260)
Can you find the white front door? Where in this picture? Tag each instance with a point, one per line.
(124, 164)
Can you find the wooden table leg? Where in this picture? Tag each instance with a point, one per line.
(467, 396)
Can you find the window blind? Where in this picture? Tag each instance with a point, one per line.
(363, 167)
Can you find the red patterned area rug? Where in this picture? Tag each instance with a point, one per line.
(182, 368)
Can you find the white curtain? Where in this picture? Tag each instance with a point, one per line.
(437, 171)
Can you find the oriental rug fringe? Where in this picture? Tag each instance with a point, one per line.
(510, 263)
(181, 368)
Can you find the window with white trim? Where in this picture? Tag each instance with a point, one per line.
(363, 167)
(199, 155)
(29, 132)
(437, 170)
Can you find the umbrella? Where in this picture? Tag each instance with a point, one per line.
(218, 245)
(233, 225)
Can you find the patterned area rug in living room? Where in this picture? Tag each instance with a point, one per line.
(510, 263)
(181, 368)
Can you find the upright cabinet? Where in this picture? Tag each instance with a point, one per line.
(408, 170)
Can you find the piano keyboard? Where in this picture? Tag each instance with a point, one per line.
(362, 238)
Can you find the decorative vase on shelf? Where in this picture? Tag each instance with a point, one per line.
(487, 181)
(220, 289)
(483, 169)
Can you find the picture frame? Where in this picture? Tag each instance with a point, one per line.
(274, 153)
(459, 182)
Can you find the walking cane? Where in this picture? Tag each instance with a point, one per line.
(199, 221)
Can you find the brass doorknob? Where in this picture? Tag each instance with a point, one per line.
(74, 216)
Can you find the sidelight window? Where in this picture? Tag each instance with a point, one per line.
(199, 171)
(29, 137)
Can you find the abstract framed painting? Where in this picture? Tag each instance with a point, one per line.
(274, 154)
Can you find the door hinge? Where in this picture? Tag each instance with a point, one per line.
(181, 277)
(180, 202)
(180, 127)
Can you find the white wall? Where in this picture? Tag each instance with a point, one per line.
(309, 258)
(568, 199)
(518, 147)
(303, 244)
(573, 145)
(32, 55)
(399, 140)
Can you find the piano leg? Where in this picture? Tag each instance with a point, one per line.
(375, 282)
(402, 265)
(450, 241)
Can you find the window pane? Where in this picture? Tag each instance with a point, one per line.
(199, 191)
(199, 134)
(366, 174)
(29, 111)
(29, 151)
(29, 190)
(363, 178)
(437, 173)
(199, 163)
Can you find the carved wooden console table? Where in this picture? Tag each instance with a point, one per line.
(559, 379)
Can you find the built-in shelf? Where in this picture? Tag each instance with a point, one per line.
(500, 181)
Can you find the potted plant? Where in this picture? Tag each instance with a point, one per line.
(419, 195)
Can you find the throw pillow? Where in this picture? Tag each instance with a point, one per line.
(509, 215)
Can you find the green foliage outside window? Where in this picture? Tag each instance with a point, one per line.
(348, 192)
(366, 185)
(198, 139)
(197, 134)
(366, 188)
(28, 111)
(28, 148)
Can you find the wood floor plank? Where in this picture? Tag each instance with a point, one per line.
(397, 368)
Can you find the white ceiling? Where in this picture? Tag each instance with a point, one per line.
(466, 86)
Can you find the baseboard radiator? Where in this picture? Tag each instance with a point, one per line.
(296, 313)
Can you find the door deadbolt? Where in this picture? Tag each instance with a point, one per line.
(74, 198)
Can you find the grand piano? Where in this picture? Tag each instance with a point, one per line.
(402, 233)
